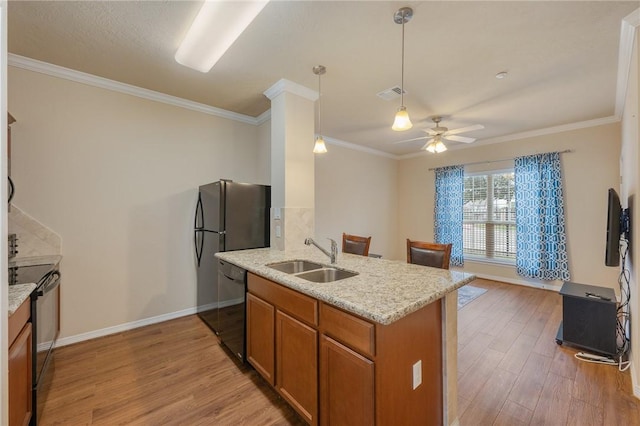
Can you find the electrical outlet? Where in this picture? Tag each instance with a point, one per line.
(417, 374)
(278, 231)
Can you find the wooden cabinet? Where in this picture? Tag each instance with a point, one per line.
(20, 366)
(346, 385)
(261, 337)
(335, 367)
(297, 365)
(281, 329)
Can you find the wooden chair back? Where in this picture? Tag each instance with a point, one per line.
(428, 254)
(355, 245)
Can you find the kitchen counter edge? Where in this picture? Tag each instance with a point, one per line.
(18, 294)
(411, 288)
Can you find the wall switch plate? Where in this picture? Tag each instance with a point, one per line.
(278, 231)
(277, 213)
(417, 374)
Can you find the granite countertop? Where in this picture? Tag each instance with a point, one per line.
(17, 294)
(384, 291)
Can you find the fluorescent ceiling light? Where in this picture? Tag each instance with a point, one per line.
(215, 28)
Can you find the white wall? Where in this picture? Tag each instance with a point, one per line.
(589, 171)
(356, 193)
(116, 176)
(630, 190)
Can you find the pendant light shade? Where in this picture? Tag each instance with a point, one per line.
(319, 147)
(402, 120)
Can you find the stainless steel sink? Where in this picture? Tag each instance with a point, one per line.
(326, 275)
(295, 266)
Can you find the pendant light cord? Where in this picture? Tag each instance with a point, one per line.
(402, 66)
(320, 104)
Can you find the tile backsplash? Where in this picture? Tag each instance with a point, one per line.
(34, 239)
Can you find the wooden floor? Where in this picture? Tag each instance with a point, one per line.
(511, 372)
(172, 373)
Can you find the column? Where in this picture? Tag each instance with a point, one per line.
(292, 164)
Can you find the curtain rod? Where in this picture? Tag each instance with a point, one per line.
(495, 161)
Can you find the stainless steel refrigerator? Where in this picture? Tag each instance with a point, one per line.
(229, 216)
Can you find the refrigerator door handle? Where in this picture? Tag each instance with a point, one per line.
(199, 213)
(197, 246)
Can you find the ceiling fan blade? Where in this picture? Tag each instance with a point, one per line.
(459, 138)
(465, 129)
(411, 140)
(431, 132)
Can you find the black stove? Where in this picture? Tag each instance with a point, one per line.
(45, 326)
(29, 274)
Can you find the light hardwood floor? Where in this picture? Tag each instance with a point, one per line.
(511, 372)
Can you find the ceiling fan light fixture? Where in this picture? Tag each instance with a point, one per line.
(215, 28)
(402, 121)
(440, 147)
(319, 147)
(431, 147)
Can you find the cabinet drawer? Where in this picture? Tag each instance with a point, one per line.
(290, 301)
(354, 332)
(19, 319)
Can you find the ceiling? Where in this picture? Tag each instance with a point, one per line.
(561, 59)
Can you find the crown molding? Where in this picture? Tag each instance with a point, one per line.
(355, 147)
(284, 85)
(627, 36)
(104, 83)
(264, 117)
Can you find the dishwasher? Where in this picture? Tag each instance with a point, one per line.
(232, 294)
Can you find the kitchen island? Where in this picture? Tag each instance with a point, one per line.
(378, 347)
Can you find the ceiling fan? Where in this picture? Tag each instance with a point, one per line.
(436, 134)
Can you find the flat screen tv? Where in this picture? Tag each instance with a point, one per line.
(614, 216)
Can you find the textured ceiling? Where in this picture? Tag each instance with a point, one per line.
(561, 58)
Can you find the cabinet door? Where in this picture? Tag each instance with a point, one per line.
(346, 385)
(260, 336)
(297, 365)
(20, 378)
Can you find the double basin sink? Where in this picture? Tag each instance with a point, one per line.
(312, 271)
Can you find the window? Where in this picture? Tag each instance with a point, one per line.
(489, 216)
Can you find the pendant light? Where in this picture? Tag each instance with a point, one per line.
(402, 121)
(319, 147)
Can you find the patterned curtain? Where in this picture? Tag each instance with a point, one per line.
(448, 210)
(540, 233)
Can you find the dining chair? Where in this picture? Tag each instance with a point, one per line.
(428, 254)
(355, 245)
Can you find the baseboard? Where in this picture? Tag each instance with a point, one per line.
(540, 285)
(123, 327)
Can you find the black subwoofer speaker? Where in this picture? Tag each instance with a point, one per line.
(588, 318)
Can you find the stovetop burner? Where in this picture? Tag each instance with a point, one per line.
(29, 274)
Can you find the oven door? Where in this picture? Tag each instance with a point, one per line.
(45, 305)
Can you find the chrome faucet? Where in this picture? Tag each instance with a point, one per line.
(334, 248)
